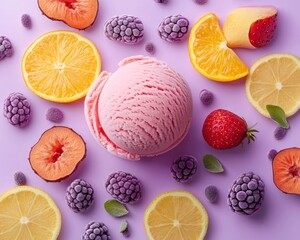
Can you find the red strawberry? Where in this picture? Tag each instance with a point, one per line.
(223, 129)
(262, 31)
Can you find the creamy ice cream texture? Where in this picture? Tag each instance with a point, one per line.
(142, 109)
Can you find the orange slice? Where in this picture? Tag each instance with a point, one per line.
(209, 53)
(28, 213)
(176, 215)
(60, 66)
(274, 79)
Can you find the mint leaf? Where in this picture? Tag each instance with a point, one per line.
(124, 226)
(115, 208)
(278, 115)
(212, 164)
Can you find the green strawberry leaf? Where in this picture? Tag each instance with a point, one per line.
(115, 208)
(124, 226)
(212, 164)
(278, 115)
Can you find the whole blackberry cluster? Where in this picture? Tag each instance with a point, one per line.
(173, 28)
(6, 49)
(126, 29)
(17, 109)
(80, 195)
(124, 187)
(246, 194)
(184, 168)
(96, 231)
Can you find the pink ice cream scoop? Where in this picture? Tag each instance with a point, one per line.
(142, 109)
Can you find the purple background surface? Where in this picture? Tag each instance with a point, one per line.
(279, 216)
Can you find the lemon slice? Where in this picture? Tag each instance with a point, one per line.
(209, 53)
(275, 79)
(60, 66)
(175, 215)
(28, 213)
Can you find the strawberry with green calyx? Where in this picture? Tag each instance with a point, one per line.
(223, 129)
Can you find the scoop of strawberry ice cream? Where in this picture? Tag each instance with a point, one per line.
(142, 109)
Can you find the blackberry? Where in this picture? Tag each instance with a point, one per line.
(96, 231)
(149, 47)
(124, 187)
(161, 1)
(206, 97)
(26, 21)
(17, 109)
(280, 132)
(184, 168)
(173, 28)
(211, 193)
(272, 153)
(6, 49)
(20, 178)
(80, 195)
(126, 29)
(246, 194)
(54, 115)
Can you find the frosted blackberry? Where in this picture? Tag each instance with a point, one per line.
(54, 115)
(80, 195)
(280, 132)
(173, 28)
(96, 231)
(26, 21)
(17, 110)
(206, 97)
(246, 194)
(184, 168)
(126, 29)
(211, 193)
(149, 47)
(272, 153)
(124, 187)
(6, 49)
(20, 178)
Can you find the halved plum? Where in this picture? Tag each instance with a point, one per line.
(286, 170)
(78, 14)
(57, 153)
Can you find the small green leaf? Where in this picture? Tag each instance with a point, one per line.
(115, 208)
(212, 164)
(124, 226)
(278, 115)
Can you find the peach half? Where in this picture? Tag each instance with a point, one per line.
(79, 14)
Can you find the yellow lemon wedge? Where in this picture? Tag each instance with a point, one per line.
(60, 66)
(175, 215)
(209, 53)
(28, 213)
(275, 80)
